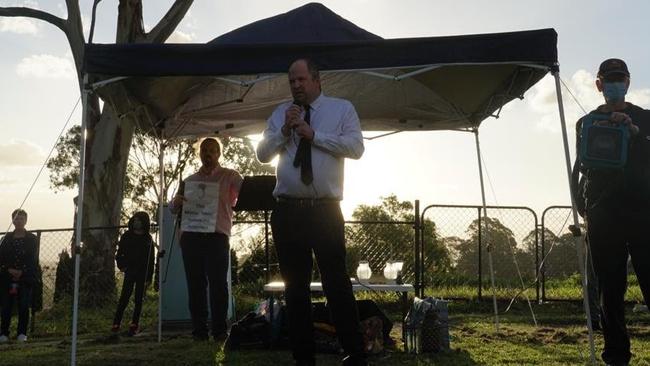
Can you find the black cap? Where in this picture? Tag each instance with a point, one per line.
(613, 66)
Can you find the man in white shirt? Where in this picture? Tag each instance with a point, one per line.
(312, 136)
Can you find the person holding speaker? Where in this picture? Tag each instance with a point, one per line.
(312, 136)
(617, 207)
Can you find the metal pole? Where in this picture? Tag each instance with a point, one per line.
(579, 240)
(161, 211)
(267, 252)
(489, 251)
(419, 258)
(480, 258)
(80, 207)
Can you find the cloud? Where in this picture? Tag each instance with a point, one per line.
(19, 153)
(19, 25)
(46, 67)
(180, 37)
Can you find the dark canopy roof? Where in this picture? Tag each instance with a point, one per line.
(233, 82)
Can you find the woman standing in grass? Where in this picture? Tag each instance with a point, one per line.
(18, 263)
(135, 257)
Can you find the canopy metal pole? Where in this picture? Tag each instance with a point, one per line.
(579, 239)
(489, 249)
(80, 208)
(161, 211)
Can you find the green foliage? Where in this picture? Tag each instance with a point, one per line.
(503, 246)
(63, 284)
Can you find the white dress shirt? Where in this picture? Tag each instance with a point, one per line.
(337, 135)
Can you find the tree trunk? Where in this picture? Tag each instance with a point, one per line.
(106, 162)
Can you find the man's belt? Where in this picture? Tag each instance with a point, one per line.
(306, 202)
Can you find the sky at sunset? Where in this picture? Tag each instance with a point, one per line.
(522, 150)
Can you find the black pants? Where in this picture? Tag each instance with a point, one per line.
(205, 257)
(23, 300)
(131, 280)
(614, 233)
(297, 231)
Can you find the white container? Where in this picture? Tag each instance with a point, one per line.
(364, 272)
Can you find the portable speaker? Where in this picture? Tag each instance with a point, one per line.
(603, 145)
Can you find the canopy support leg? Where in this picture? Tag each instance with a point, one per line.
(85, 91)
(489, 250)
(579, 241)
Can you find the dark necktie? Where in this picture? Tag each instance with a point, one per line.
(303, 155)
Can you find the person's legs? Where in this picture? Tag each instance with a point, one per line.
(639, 248)
(609, 257)
(125, 295)
(329, 247)
(193, 261)
(139, 297)
(24, 303)
(216, 264)
(7, 307)
(295, 257)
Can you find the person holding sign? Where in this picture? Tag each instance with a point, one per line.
(205, 200)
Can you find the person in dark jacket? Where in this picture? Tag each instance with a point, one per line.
(18, 263)
(617, 210)
(135, 257)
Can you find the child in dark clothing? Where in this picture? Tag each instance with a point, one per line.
(18, 263)
(135, 257)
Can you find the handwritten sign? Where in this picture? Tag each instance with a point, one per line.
(201, 207)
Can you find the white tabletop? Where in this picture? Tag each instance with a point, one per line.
(278, 286)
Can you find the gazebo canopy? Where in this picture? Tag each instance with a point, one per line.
(230, 86)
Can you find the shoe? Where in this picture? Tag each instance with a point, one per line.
(4, 339)
(21, 338)
(115, 328)
(133, 330)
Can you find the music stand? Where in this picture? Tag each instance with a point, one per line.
(256, 194)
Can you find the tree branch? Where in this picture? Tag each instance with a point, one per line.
(169, 22)
(36, 14)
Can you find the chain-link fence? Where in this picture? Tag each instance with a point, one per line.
(468, 237)
(253, 264)
(559, 270)
(454, 242)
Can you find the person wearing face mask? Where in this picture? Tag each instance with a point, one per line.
(617, 210)
(135, 257)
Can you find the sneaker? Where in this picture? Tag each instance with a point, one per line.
(115, 328)
(133, 330)
(4, 339)
(21, 338)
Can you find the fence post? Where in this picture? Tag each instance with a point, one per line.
(419, 243)
(480, 261)
(542, 268)
(267, 254)
(538, 229)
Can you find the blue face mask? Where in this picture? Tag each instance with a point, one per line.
(614, 91)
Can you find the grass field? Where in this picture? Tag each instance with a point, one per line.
(559, 339)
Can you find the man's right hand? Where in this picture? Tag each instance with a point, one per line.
(291, 117)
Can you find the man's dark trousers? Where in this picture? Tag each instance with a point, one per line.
(205, 257)
(614, 232)
(24, 301)
(299, 229)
